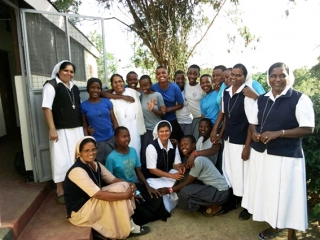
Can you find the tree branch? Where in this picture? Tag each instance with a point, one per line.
(202, 37)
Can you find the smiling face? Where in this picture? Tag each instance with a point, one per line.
(145, 85)
(186, 146)
(118, 84)
(237, 77)
(225, 77)
(164, 133)
(162, 75)
(66, 74)
(122, 139)
(204, 129)
(88, 152)
(132, 80)
(94, 90)
(193, 74)
(278, 80)
(180, 80)
(206, 84)
(216, 77)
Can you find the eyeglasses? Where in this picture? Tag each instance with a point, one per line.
(87, 151)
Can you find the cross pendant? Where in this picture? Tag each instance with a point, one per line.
(73, 106)
(229, 115)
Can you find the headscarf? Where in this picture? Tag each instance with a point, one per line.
(155, 130)
(93, 80)
(77, 150)
(291, 78)
(56, 69)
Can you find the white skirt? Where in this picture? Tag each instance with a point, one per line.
(170, 201)
(275, 191)
(235, 170)
(62, 152)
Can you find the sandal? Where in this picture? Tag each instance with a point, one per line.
(267, 234)
(60, 199)
(208, 212)
(143, 231)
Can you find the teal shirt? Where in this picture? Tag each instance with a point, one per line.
(123, 165)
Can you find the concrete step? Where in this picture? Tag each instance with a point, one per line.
(50, 223)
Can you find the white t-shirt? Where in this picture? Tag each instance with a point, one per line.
(193, 95)
(183, 115)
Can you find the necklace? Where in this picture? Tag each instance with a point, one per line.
(98, 110)
(71, 100)
(263, 121)
(95, 179)
(229, 111)
(124, 108)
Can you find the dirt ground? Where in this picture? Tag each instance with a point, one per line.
(186, 225)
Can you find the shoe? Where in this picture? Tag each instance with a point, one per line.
(244, 215)
(139, 232)
(208, 212)
(60, 199)
(267, 234)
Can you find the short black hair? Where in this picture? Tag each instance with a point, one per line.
(194, 66)
(118, 129)
(278, 64)
(145, 77)
(222, 67)
(190, 137)
(131, 72)
(178, 72)
(206, 75)
(207, 120)
(161, 67)
(242, 67)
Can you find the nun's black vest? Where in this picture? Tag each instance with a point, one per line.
(281, 117)
(165, 159)
(237, 125)
(64, 116)
(74, 196)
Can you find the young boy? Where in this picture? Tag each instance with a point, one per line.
(173, 100)
(184, 116)
(194, 94)
(204, 186)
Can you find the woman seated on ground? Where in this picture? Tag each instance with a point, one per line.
(108, 209)
(204, 146)
(98, 119)
(204, 186)
(162, 155)
(123, 162)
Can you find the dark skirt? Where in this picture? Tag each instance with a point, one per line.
(146, 139)
(151, 210)
(193, 196)
(176, 132)
(104, 149)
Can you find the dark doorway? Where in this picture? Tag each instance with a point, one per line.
(6, 93)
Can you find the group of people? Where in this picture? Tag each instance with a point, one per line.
(129, 155)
